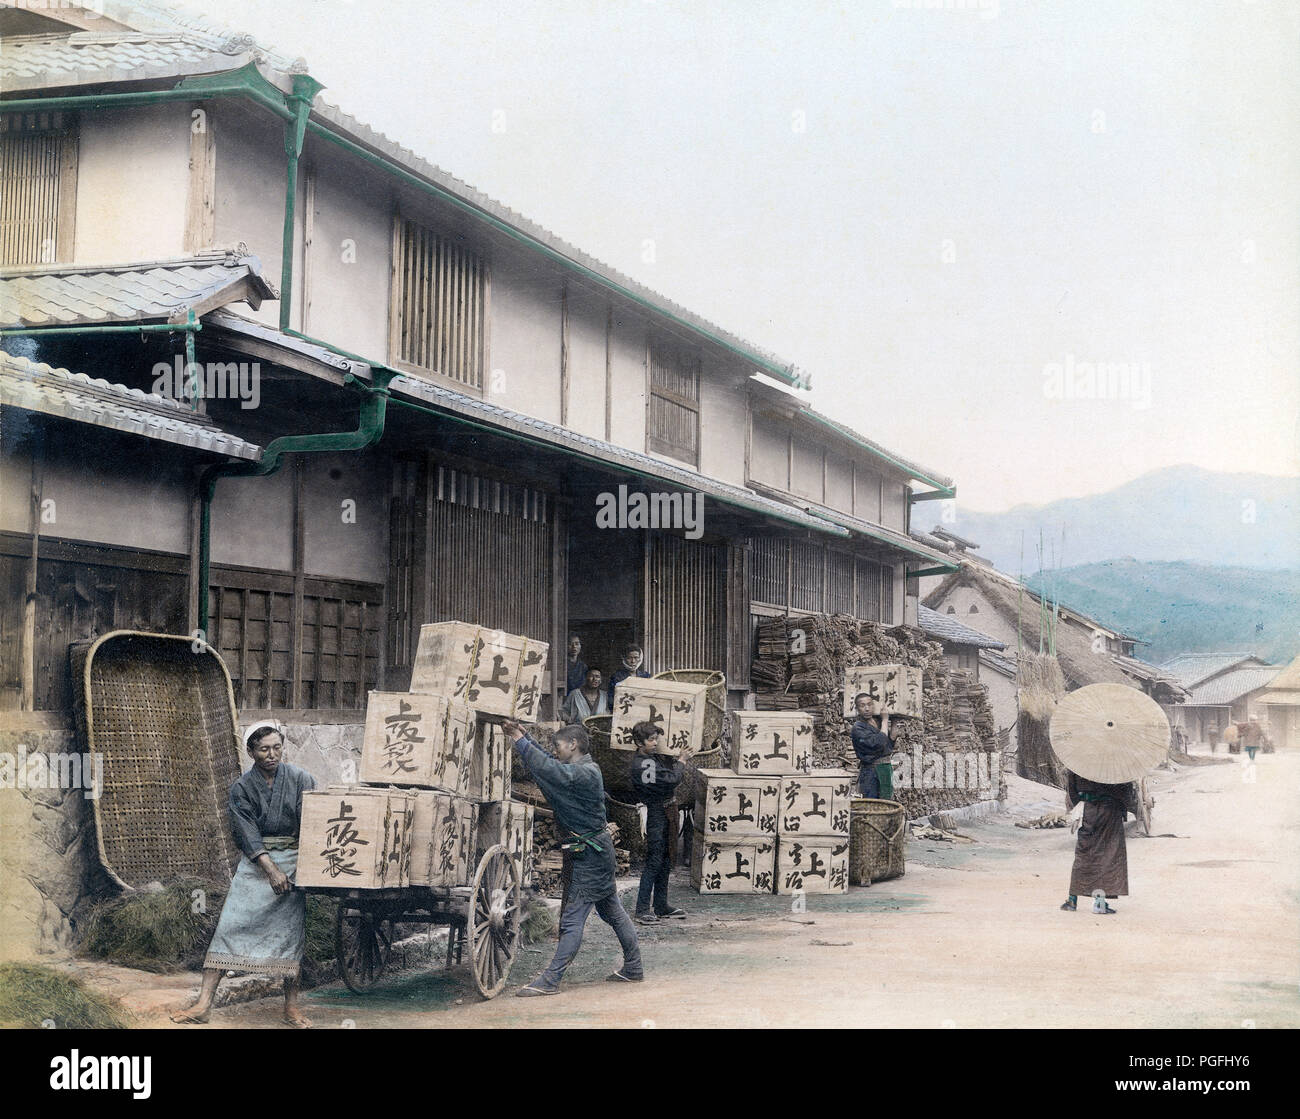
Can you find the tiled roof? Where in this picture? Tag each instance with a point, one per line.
(74, 396)
(64, 295)
(50, 61)
(1001, 662)
(1221, 691)
(1190, 669)
(566, 439)
(949, 629)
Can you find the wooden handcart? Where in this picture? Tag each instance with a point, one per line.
(482, 919)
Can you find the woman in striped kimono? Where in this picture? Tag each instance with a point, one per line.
(263, 921)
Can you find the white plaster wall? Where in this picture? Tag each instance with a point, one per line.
(525, 342)
(807, 469)
(252, 521)
(769, 455)
(1002, 698)
(333, 546)
(722, 429)
(986, 621)
(126, 492)
(868, 495)
(587, 319)
(894, 507)
(628, 377)
(839, 482)
(348, 263)
(249, 195)
(132, 184)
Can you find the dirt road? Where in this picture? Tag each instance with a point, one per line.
(970, 937)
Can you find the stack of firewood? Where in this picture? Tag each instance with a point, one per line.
(800, 666)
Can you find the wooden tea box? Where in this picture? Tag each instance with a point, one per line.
(896, 687)
(741, 865)
(442, 839)
(675, 707)
(813, 864)
(487, 669)
(508, 822)
(359, 838)
(816, 803)
(417, 739)
(772, 742)
(489, 769)
(733, 804)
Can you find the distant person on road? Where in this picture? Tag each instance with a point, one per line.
(585, 701)
(1100, 855)
(871, 744)
(575, 790)
(654, 779)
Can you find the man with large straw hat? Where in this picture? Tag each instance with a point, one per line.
(1107, 736)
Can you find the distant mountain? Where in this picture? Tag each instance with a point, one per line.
(1186, 607)
(1178, 513)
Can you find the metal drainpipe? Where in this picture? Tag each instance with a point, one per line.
(369, 430)
(305, 88)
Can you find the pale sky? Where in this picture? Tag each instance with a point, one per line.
(944, 216)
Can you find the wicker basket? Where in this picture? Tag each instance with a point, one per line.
(716, 702)
(615, 765)
(628, 819)
(877, 834)
(162, 715)
(688, 792)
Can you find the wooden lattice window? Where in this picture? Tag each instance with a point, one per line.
(673, 403)
(38, 187)
(440, 295)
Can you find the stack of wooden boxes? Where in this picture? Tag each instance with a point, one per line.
(675, 707)
(435, 770)
(772, 823)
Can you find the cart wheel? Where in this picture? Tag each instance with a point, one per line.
(493, 923)
(363, 942)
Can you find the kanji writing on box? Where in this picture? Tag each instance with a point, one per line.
(401, 736)
(341, 842)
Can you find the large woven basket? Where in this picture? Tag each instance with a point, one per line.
(688, 792)
(615, 765)
(162, 716)
(877, 834)
(716, 702)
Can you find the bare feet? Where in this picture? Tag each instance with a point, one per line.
(191, 1016)
(297, 1019)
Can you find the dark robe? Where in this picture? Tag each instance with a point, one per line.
(1100, 857)
(577, 674)
(576, 793)
(620, 674)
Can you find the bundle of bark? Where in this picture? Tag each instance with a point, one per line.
(1040, 683)
(812, 651)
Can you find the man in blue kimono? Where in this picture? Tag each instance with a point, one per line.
(263, 921)
(654, 779)
(575, 791)
(871, 744)
(577, 667)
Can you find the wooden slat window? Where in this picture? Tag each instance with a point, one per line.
(867, 590)
(839, 583)
(673, 405)
(807, 576)
(686, 604)
(887, 594)
(38, 179)
(440, 291)
(770, 571)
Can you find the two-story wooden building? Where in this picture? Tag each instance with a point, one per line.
(413, 404)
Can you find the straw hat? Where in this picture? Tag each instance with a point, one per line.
(1109, 733)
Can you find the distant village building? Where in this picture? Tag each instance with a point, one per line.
(1225, 688)
(1281, 701)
